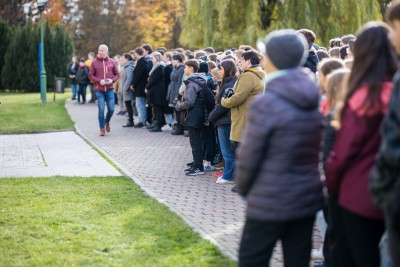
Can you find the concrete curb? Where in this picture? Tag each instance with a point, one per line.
(153, 195)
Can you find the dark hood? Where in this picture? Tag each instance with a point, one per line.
(297, 86)
(312, 61)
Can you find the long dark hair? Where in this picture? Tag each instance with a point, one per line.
(230, 70)
(374, 62)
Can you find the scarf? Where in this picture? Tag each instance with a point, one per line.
(155, 66)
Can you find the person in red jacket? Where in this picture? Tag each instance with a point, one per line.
(359, 223)
(104, 73)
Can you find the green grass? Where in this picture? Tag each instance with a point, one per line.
(24, 113)
(105, 221)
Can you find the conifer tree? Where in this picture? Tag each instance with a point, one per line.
(6, 35)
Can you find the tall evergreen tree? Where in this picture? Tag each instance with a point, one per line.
(5, 38)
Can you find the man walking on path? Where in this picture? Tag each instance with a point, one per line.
(104, 73)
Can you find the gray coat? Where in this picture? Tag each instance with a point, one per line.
(176, 82)
(127, 78)
(277, 167)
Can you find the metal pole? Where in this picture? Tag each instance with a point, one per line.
(43, 85)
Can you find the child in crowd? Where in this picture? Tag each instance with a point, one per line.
(82, 78)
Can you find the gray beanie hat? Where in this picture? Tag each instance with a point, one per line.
(285, 48)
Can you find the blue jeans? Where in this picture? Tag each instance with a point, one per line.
(74, 89)
(102, 99)
(225, 144)
(141, 108)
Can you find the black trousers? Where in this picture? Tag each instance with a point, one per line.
(195, 144)
(208, 142)
(158, 116)
(259, 239)
(356, 239)
(394, 240)
(128, 105)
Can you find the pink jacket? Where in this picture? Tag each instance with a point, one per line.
(101, 69)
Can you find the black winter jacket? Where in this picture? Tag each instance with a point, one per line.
(277, 167)
(140, 77)
(73, 71)
(312, 61)
(82, 76)
(156, 87)
(385, 177)
(221, 115)
(194, 101)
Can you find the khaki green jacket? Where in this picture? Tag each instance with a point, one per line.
(249, 84)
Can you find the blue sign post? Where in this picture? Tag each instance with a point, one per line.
(40, 67)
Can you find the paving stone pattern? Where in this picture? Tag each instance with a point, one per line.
(158, 161)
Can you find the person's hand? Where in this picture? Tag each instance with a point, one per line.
(102, 82)
(146, 91)
(109, 81)
(132, 89)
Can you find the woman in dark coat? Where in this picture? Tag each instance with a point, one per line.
(73, 68)
(220, 117)
(173, 90)
(156, 91)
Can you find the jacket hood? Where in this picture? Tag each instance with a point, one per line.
(102, 59)
(128, 64)
(200, 78)
(258, 71)
(297, 86)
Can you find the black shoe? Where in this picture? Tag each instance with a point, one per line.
(129, 124)
(186, 133)
(234, 189)
(177, 132)
(195, 171)
(150, 126)
(92, 101)
(139, 125)
(190, 164)
(73, 98)
(155, 129)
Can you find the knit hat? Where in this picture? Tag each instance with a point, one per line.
(285, 48)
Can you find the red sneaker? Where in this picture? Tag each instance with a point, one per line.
(219, 173)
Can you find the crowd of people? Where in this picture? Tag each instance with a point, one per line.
(284, 121)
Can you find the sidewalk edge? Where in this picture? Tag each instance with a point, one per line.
(153, 195)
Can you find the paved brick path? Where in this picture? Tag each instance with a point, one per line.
(158, 161)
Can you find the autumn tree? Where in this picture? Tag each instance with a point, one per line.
(156, 22)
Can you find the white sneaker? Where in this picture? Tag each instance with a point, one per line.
(316, 254)
(223, 181)
(166, 128)
(209, 167)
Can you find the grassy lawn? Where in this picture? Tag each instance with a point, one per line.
(104, 221)
(24, 113)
